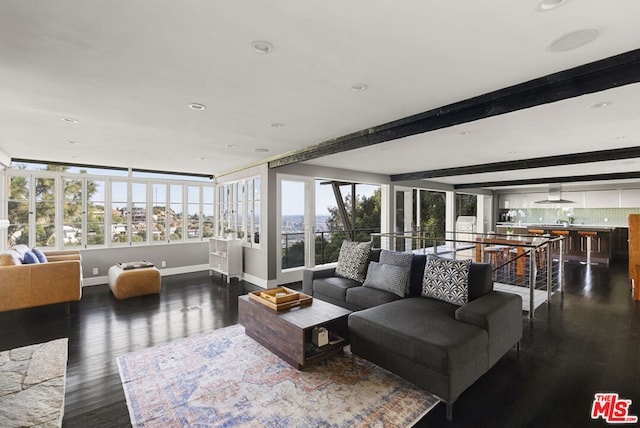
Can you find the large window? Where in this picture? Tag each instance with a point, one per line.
(176, 205)
(431, 215)
(238, 210)
(253, 211)
(96, 203)
(18, 209)
(138, 212)
(466, 204)
(208, 208)
(159, 212)
(193, 211)
(330, 229)
(119, 213)
(67, 208)
(45, 198)
(230, 209)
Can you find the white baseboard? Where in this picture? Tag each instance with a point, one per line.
(99, 280)
(260, 282)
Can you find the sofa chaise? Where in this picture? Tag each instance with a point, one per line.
(438, 345)
(58, 280)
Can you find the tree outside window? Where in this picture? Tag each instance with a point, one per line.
(159, 212)
(18, 210)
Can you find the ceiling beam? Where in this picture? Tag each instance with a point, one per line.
(615, 71)
(551, 180)
(559, 160)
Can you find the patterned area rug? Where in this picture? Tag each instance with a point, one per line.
(32, 382)
(225, 378)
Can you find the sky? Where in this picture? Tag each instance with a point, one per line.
(293, 196)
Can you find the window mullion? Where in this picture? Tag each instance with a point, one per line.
(32, 211)
(129, 209)
(83, 218)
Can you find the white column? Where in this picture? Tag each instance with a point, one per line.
(450, 215)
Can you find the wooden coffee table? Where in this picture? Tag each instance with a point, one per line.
(288, 333)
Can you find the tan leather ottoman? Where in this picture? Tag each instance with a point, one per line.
(125, 283)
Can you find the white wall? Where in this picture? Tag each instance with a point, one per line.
(179, 258)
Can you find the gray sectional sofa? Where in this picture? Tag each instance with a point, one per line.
(437, 345)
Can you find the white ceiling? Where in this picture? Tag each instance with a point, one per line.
(127, 70)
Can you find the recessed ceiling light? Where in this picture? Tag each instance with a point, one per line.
(69, 120)
(465, 132)
(601, 104)
(229, 146)
(573, 40)
(73, 142)
(262, 46)
(359, 87)
(277, 125)
(203, 158)
(550, 4)
(197, 106)
(261, 150)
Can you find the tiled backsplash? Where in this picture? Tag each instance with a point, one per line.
(589, 216)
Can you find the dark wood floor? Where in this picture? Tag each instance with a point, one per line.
(586, 341)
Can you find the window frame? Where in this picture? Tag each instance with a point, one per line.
(61, 177)
(235, 209)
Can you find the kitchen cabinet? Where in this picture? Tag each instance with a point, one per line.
(577, 197)
(630, 198)
(531, 198)
(509, 201)
(602, 199)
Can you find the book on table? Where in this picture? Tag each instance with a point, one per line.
(135, 265)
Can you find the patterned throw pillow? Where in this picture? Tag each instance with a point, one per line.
(397, 258)
(353, 260)
(447, 280)
(387, 277)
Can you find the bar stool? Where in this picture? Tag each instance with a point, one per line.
(540, 252)
(564, 233)
(588, 235)
(495, 255)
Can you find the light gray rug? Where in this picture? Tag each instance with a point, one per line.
(32, 382)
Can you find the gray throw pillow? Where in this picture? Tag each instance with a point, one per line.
(353, 260)
(387, 277)
(397, 258)
(447, 280)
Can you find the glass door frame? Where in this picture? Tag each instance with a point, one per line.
(294, 274)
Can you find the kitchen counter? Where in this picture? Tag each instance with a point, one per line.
(560, 226)
(609, 240)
